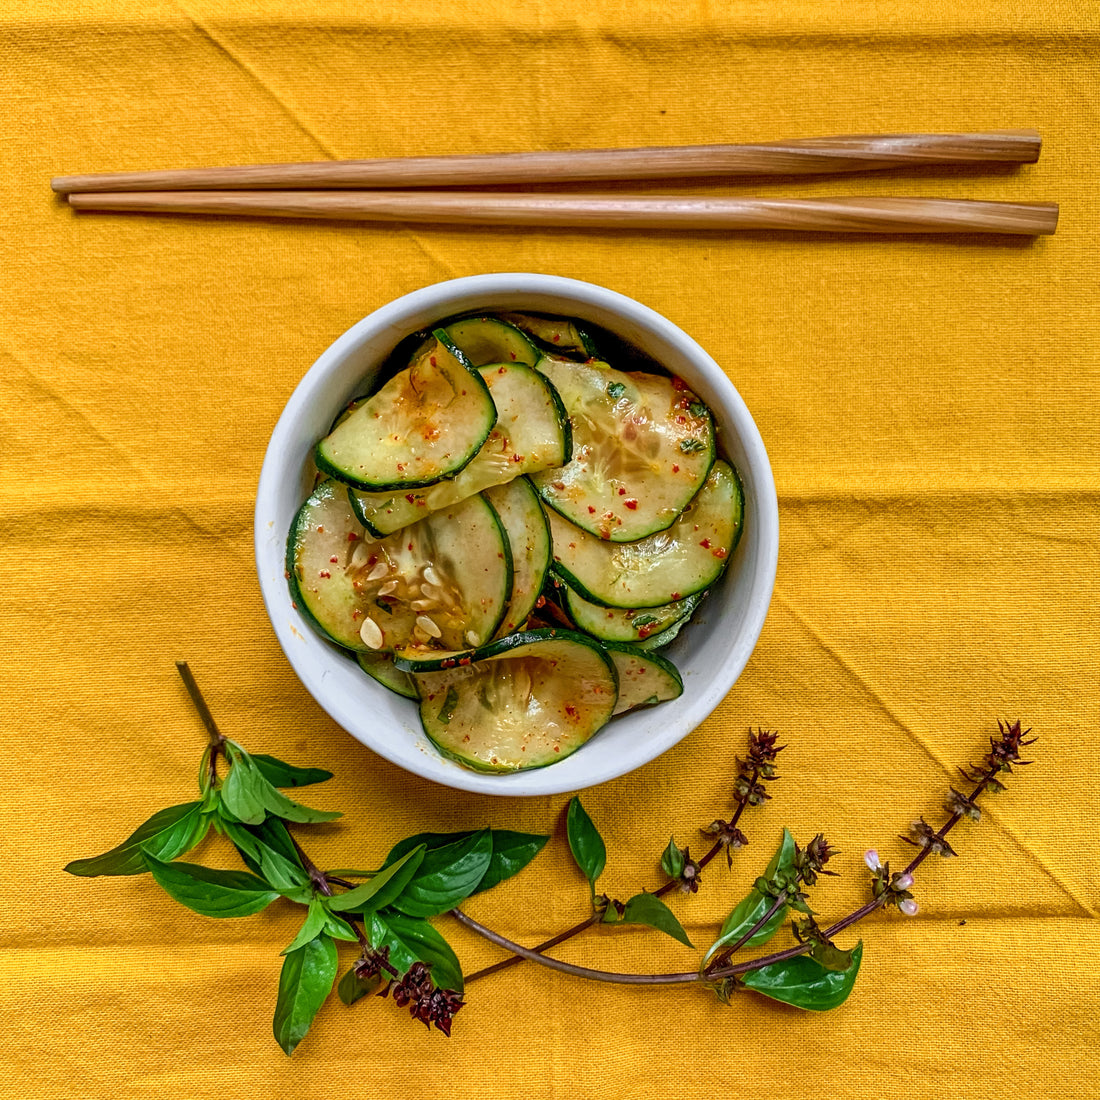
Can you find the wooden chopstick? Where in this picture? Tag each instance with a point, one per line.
(854, 153)
(615, 211)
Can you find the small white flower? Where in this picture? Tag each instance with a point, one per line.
(870, 857)
(903, 882)
(908, 907)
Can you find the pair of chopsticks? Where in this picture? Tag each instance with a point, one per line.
(407, 189)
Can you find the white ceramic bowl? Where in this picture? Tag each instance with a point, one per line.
(710, 653)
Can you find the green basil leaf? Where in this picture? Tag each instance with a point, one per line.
(306, 980)
(805, 983)
(447, 876)
(280, 774)
(672, 861)
(338, 928)
(511, 851)
(242, 793)
(211, 892)
(755, 904)
(351, 987)
(648, 909)
(411, 940)
(585, 842)
(384, 888)
(830, 956)
(167, 834)
(262, 859)
(312, 927)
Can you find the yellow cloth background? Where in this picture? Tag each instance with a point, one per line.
(930, 409)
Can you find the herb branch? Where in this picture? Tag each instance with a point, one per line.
(388, 916)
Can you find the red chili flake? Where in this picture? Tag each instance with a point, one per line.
(681, 420)
(591, 510)
(557, 748)
(294, 605)
(571, 710)
(678, 383)
(517, 458)
(558, 484)
(675, 596)
(401, 465)
(410, 545)
(432, 361)
(352, 536)
(541, 601)
(448, 662)
(720, 553)
(502, 369)
(464, 660)
(324, 573)
(334, 559)
(645, 631)
(286, 574)
(705, 544)
(622, 492)
(409, 497)
(556, 337)
(675, 468)
(631, 504)
(320, 529)
(512, 354)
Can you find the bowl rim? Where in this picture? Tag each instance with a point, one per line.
(577, 297)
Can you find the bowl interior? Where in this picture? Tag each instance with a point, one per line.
(710, 653)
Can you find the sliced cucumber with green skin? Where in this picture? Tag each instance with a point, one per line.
(559, 333)
(422, 426)
(633, 625)
(485, 340)
(517, 505)
(670, 633)
(442, 583)
(531, 433)
(645, 679)
(379, 666)
(525, 701)
(643, 446)
(665, 567)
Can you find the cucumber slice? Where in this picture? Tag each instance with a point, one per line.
(379, 666)
(525, 701)
(485, 340)
(643, 446)
(442, 583)
(663, 568)
(423, 425)
(531, 433)
(521, 516)
(636, 624)
(645, 679)
(559, 333)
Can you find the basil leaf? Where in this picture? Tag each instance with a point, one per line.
(167, 834)
(830, 956)
(511, 851)
(280, 774)
(306, 980)
(210, 892)
(384, 888)
(447, 876)
(755, 904)
(805, 983)
(410, 941)
(585, 842)
(312, 927)
(672, 861)
(254, 789)
(648, 909)
(338, 928)
(351, 987)
(263, 860)
(242, 792)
